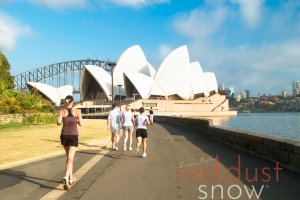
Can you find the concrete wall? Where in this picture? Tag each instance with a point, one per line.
(5, 119)
(286, 152)
(215, 105)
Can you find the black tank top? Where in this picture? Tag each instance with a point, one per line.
(69, 124)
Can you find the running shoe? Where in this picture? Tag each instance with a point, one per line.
(125, 149)
(117, 149)
(130, 148)
(137, 150)
(144, 155)
(72, 181)
(66, 183)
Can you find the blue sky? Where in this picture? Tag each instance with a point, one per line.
(249, 44)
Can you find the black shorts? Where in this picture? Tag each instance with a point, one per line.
(140, 132)
(69, 140)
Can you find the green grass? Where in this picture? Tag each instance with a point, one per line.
(14, 125)
(26, 142)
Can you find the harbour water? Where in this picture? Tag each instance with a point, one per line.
(284, 125)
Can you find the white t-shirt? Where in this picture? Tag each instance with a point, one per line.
(115, 118)
(127, 118)
(141, 121)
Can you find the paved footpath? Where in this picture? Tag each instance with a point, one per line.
(181, 164)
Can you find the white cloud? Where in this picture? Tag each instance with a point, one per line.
(10, 30)
(165, 50)
(135, 3)
(263, 68)
(60, 4)
(250, 10)
(200, 23)
(261, 65)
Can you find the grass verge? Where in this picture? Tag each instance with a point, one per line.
(21, 143)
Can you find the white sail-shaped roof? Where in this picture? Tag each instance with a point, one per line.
(132, 60)
(53, 94)
(156, 90)
(141, 82)
(90, 75)
(151, 70)
(196, 68)
(173, 74)
(64, 91)
(199, 84)
(211, 81)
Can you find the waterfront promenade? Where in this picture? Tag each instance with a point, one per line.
(182, 164)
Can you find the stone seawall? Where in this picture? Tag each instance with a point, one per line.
(5, 119)
(285, 151)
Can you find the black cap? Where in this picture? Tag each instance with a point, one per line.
(69, 98)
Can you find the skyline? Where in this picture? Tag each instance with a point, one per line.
(252, 45)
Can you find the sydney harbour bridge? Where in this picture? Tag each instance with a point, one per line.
(60, 74)
(64, 73)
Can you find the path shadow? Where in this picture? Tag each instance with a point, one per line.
(90, 153)
(89, 145)
(10, 178)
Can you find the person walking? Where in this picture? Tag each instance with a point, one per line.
(127, 124)
(69, 117)
(151, 115)
(114, 125)
(142, 121)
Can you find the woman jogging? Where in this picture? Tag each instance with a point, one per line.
(127, 124)
(114, 125)
(142, 121)
(69, 117)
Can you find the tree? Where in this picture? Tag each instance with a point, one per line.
(5, 77)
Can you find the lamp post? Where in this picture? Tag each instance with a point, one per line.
(112, 66)
(102, 109)
(120, 94)
(134, 102)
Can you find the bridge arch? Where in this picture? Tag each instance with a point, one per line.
(57, 70)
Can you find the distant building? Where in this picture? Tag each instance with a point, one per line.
(296, 88)
(240, 95)
(284, 94)
(247, 94)
(229, 90)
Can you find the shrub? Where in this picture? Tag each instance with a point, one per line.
(9, 104)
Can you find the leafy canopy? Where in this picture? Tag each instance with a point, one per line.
(6, 79)
(12, 101)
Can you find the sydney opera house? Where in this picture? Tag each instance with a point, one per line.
(177, 87)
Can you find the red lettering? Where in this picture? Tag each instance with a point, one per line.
(215, 169)
(277, 171)
(191, 174)
(267, 174)
(179, 173)
(238, 171)
(247, 176)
